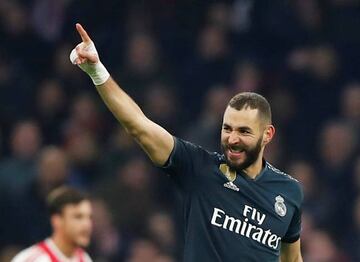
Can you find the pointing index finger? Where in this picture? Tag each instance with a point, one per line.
(84, 36)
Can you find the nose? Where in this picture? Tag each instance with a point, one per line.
(233, 138)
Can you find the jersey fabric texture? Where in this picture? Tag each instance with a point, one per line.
(233, 218)
(47, 251)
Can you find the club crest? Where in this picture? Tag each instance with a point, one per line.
(230, 174)
(280, 207)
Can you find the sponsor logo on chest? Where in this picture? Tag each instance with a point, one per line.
(250, 226)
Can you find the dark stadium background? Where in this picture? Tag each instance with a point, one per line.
(180, 60)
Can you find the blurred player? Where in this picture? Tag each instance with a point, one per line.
(237, 207)
(70, 214)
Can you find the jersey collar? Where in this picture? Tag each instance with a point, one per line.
(259, 176)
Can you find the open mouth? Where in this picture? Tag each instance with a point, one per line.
(235, 152)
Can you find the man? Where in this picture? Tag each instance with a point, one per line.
(236, 206)
(70, 214)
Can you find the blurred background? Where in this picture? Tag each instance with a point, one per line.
(181, 60)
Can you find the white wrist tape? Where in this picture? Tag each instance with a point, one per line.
(96, 71)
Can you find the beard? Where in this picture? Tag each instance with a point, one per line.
(251, 155)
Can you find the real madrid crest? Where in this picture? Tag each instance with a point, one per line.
(230, 174)
(280, 207)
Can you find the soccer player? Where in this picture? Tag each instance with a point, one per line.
(237, 207)
(70, 214)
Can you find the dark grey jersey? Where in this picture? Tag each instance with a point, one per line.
(228, 216)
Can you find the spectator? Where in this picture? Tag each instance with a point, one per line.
(18, 170)
(52, 170)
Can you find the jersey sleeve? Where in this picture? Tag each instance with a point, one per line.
(183, 161)
(87, 257)
(31, 254)
(293, 232)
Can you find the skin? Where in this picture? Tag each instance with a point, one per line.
(291, 252)
(158, 143)
(72, 227)
(244, 136)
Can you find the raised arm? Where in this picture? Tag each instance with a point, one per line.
(155, 140)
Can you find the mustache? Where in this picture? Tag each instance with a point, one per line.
(236, 147)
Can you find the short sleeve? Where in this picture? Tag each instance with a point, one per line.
(293, 232)
(182, 162)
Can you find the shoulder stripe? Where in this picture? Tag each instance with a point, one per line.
(274, 169)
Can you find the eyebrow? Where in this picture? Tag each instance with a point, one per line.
(240, 128)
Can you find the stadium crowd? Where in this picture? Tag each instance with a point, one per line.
(181, 60)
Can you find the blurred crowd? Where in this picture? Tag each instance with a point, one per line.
(181, 60)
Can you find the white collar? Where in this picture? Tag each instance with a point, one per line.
(57, 252)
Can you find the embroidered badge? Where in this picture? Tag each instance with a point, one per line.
(280, 207)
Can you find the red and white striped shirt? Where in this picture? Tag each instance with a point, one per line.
(47, 251)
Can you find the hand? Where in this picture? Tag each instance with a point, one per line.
(86, 57)
(85, 52)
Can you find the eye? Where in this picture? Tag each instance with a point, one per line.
(245, 131)
(226, 128)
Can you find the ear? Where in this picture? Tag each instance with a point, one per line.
(56, 221)
(269, 133)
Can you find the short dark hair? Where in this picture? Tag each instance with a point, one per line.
(62, 196)
(253, 101)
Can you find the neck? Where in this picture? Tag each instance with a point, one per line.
(254, 170)
(67, 249)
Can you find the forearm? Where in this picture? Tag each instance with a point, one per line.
(123, 107)
(154, 139)
(292, 259)
(291, 252)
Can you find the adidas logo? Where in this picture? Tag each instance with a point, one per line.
(231, 186)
